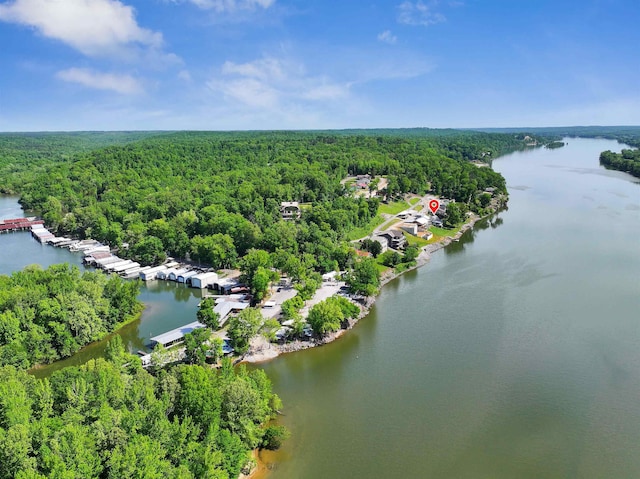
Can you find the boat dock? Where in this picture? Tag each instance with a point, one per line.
(18, 224)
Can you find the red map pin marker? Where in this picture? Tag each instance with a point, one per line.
(434, 205)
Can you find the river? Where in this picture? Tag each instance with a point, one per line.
(514, 353)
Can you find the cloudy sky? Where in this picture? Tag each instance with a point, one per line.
(294, 64)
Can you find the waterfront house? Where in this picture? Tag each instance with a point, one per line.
(384, 242)
(395, 239)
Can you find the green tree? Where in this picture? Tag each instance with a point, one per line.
(365, 277)
(206, 315)
(243, 327)
(349, 310)
(411, 253)
(216, 250)
(324, 317)
(159, 357)
(196, 345)
(455, 214)
(269, 329)
(273, 437)
(148, 251)
(260, 282)
(291, 308)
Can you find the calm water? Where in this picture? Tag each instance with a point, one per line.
(168, 305)
(514, 354)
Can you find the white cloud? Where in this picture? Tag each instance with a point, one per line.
(419, 13)
(184, 75)
(387, 37)
(274, 84)
(125, 84)
(94, 27)
(229, 6)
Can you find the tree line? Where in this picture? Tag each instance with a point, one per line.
(627, 160)
(49, 314)
(215, 196)
(111, 419)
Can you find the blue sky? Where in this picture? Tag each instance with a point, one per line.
(287, 64)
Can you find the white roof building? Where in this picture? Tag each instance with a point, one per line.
(203, 280)
(176, 336)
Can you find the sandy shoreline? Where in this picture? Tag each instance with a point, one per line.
(261, 350)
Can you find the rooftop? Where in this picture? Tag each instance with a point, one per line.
(176, 334)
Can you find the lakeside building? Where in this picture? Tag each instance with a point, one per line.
(176, 336)
(436, 221)
(384, 242)
(150, 274)
(225, 308)
(203, 280)
(396, 239)
(186, 277)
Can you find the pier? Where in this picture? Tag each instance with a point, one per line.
(18, 224)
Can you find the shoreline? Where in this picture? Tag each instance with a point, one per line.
(262, 351)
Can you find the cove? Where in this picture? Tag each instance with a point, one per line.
(168, 305)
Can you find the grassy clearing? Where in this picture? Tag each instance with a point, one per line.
(382, 268)
(365, 230)
(441, 233)
(393, 208)
(404, 266)
(415, 240)
(445, 231)
(413, 201)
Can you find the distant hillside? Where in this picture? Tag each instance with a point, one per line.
(624, 134)
(24, 154)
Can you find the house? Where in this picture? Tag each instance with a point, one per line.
(225, 285)
(422, 221)
(384, 242)
(427, 235)
(363, 181)
(290, 210)
(330, 276)
(411, 228)
(435, 221)
(395, 239)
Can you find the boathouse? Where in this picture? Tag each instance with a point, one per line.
(176, 336)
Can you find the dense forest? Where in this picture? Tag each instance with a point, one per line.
(24, 155)
(217, 195)
(110, 419)
(627, 160)
(49, 314)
